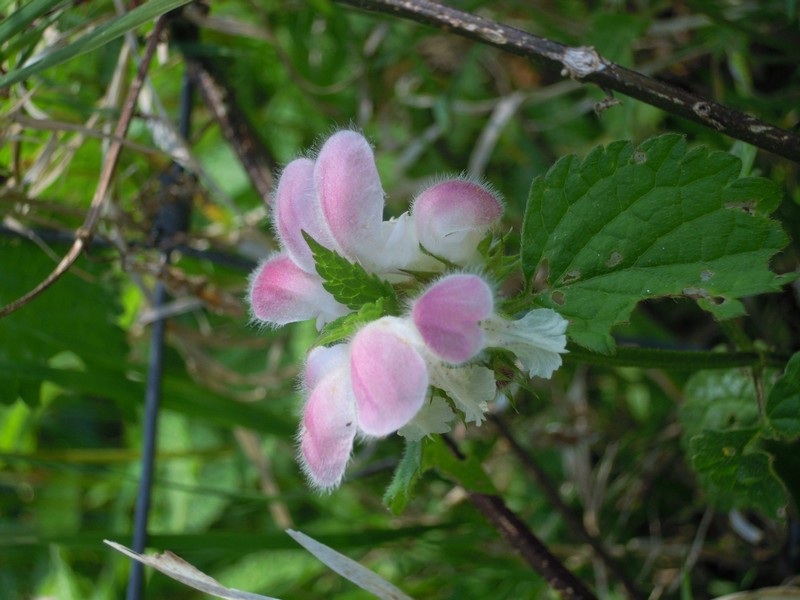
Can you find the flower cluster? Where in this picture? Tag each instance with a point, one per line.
(380, 381)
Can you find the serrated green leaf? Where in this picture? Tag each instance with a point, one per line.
(718, 401)
(736, 476)
(349, 282)
(783, 402)
(401, 489)
(626, 224)
(468, 473)
(345, 326)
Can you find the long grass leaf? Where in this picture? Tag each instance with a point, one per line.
(24, 16)
(98, 37)
(348, 568)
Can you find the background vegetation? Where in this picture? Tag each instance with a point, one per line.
(610, 441)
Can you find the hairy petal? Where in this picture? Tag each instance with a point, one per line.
(389, 376)
(328, 429)
(453, 216)
(297, 209)
(281, 292)
(538, 339)
(447, 316)
(349, 191)
(323, 360)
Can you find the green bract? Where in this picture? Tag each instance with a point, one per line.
(349, 283)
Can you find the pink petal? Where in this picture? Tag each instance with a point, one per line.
(297, 209)
(328, 430)
(322, 360)
(448, 315)
(389, 376)
(281, 292)
(350, 193)
(453, 216)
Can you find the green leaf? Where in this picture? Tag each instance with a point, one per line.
(348, 282)
(786, 463)
(401, 489)
(98, 37)
(783, 402)
(718, 401)
(345, 326)
(735, 475)
(626, 224)
(467, 472)
(26, 14)
(76, 315)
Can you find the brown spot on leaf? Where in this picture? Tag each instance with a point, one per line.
(748, 207)
(614, 259)
(571, 277)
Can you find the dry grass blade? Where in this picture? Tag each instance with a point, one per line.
(178, 569)
(349, 569)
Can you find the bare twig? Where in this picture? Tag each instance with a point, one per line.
(85, 232)
(573, 522)
(586, 65)
(235, 127)
(520, 537)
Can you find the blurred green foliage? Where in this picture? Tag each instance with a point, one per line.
(613, 440)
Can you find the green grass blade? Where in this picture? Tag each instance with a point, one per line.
(98, 37)
(24, 16)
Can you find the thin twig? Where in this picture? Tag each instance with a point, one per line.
(586, 65)
(85, 232)
(235, 127)
(573, 522)
(519, 536)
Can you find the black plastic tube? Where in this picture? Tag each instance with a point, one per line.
(172, 219)
(152, 400)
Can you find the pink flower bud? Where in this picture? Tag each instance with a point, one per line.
(453, 216)
(389, 376)
(281, 292)
(448, 316)
(349, 191)
(328, 429)
(296, 210)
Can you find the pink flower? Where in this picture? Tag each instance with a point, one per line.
(389, 375)
(295, 209)
(448, 316)
(453, 216)
(329, 422)
(379, 382)
(338, 201)
(455, 318)
(373, 386)
(281, 292)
